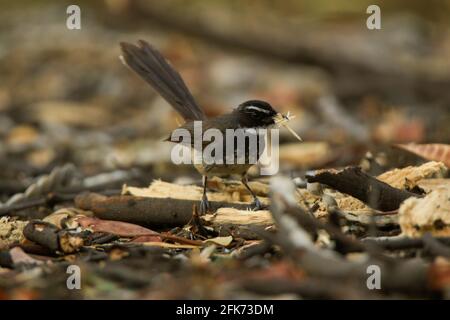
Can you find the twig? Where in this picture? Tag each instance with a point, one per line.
(403, 243)
(155, 212)
(373, 192)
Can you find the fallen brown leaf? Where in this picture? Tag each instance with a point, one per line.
(123, 229)
(433, 151)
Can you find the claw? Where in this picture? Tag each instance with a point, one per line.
(204, 206)
(256, 205)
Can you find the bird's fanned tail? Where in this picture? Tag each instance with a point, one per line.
(148, 63)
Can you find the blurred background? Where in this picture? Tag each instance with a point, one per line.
(66, 97)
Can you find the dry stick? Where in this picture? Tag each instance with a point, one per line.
(179, 239)
(155, 212)
(9, 210)
(403, 243)
(435, 247)
(366, 219)
(408, 275)
(373, 192)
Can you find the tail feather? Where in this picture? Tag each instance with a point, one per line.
(148, 63)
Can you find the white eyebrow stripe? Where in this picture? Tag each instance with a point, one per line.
(257, 109)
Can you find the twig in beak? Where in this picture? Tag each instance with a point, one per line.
(281, 120)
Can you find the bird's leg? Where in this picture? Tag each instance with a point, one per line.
(204, 204)
(256, 204)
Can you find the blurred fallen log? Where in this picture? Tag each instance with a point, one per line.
(373, 192)
(62, 184)
(58, 178)
(9, 187)
(49, 199)
(45, 200)
(152, 212)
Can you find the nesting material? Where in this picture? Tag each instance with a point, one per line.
(282, 120)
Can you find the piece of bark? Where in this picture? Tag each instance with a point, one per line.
(238, 222)
(152, 212)
(49, 236)
(352, 181)
(43, 233)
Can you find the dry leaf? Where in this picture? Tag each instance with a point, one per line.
(62, 215)
(123, 229)
(433, 151)
(222, 241)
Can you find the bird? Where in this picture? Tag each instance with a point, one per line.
(151, 66)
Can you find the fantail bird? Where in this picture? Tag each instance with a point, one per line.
(149, 63)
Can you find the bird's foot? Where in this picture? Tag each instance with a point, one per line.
(204, 206)
(256, 205)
